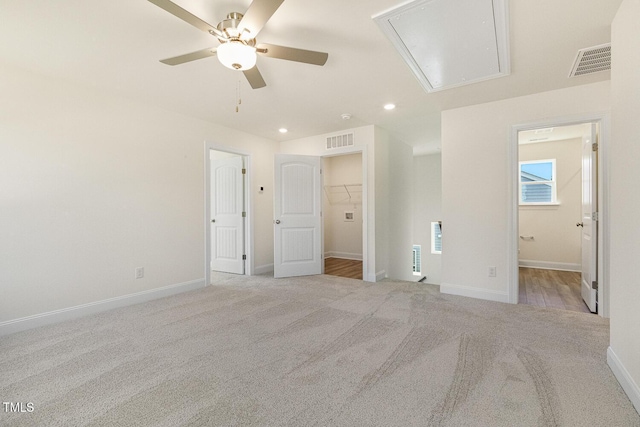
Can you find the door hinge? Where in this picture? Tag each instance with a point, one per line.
(244, 214)
(244, 257)
(594, 146)
(244, 171)
(594, 284)
(594, 216)
(320, 171)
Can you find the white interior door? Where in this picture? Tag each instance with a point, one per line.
(227, 218)
(589, 221)
(297, 216)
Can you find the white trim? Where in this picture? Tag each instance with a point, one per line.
(603, 119)
(56, 316)
(550, 265)
(381, 275)
(263, 269)
(343, 255)
(471, 292)
(248, 237)
(624, 378)
(537, 205)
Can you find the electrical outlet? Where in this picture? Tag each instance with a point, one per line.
(139, 272)
(492, 271)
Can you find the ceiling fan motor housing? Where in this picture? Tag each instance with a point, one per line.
(229, 26)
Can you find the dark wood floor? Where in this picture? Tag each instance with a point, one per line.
(551, 288)
(343, 267)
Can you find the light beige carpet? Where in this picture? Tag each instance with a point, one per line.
(319, 351)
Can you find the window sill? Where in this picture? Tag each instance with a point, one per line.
(539, 205)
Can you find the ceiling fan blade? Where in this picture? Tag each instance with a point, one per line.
(254, 77)
(176, 60)
(292, 54)
(186, 16)
(257, 15)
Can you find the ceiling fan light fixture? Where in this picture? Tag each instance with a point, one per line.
(237, 56)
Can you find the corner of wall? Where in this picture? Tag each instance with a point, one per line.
(624, 378)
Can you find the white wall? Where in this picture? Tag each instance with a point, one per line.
(382, 194)
(556, 239)
(427, 208)
(93, 186)
(624, 354)
(342, 239)
(476, 150)
(400, 209)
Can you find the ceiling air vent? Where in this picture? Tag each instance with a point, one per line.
(592, 60)
(339, 141)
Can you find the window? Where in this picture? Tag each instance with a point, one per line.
(436, 237)
(538, 182)
(416, 260)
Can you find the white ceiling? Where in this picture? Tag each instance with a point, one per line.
(116, 45)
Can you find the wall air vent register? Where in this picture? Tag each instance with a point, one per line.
(592, 60)
(339, 141)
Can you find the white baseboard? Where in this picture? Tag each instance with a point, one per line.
(263, 269)
(467, 291)
(548, 265)
(380, 275)
(56, 316)
(343, 255)
(624, 378)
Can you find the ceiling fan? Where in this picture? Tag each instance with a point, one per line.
(238, 48)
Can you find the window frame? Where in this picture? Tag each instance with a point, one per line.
(553, 183)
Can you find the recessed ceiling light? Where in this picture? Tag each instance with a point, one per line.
(390, 106)
(283, 130)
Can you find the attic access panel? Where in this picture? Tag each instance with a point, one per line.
(450, 43)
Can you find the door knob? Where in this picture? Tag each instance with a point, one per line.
(277, 221)
(579, 224)
(213, 220)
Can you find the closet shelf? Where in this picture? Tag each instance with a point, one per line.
(344, 193)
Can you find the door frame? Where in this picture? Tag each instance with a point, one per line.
(249, 226)
(365, 211)
(604, 121)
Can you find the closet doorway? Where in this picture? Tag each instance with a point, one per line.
(343, 215)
